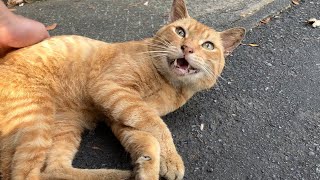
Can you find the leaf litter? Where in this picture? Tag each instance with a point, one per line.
(265, 20)
(295, 2)
(251, 45)
(51, 27)
(314, 22)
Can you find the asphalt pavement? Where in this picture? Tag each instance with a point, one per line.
(261, 121)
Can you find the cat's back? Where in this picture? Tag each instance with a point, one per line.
(47, 57)
(57, 49)
(41, 63)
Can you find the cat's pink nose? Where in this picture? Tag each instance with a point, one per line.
(186, 49)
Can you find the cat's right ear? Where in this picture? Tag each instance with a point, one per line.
(178, 11)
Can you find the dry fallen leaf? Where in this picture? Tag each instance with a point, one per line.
(51, 27)
(12, 3)
(96, 148)
(295, 2)
(266, 20)
(314, 22)
(251, 44)
(201, 127)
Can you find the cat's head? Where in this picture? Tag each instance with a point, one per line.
(190, 53)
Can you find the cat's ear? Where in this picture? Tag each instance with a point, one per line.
(231, 38)
(178, 10)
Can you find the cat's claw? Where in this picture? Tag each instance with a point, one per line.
(171, 167)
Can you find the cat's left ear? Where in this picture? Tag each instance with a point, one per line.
(178, 11)
(231, 38)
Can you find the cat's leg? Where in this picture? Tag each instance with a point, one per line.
(126, 107)
(143, 140)
(144, 150)
(66, 140)
(26, 135)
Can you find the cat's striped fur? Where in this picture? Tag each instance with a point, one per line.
(52, 91)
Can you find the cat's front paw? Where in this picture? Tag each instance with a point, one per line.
(171, 167)
(146, 168)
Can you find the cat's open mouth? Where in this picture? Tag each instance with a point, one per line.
(182, 67)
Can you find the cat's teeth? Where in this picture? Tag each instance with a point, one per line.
(192, 71)
(176, 62)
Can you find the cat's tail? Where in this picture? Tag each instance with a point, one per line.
(67, 132)
(88, 174)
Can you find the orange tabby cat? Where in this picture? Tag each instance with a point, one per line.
(52, 91)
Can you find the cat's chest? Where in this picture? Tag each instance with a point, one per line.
(165, 99)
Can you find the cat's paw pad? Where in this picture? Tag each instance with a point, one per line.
(171, 167)
(146, 167)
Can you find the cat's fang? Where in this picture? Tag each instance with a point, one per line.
(192, 71)
(175, 63)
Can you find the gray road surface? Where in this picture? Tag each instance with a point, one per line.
(262, 121)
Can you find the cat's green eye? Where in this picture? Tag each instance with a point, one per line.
(181, 32)
(208, 45)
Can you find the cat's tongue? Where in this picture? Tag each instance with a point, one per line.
(182, 67)
(182, 63)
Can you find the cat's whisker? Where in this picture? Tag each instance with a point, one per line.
(218, 84)
(220, 77)
(158, 51)
(218, 63)
(164, 45)
(155, 51)
(198, 61)
(214, 75)
(148, 43)
(163, 41)
(167, 52)
(158, 47)
(154, 56)
(205, 67)
(154, 44)
(222, 85)
(159, 54)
